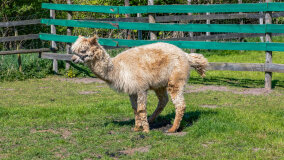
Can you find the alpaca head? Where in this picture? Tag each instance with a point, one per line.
(86, 49)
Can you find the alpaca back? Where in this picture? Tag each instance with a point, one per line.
(147, 67)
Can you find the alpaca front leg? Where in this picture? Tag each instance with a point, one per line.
(142, 112)
(133, 100)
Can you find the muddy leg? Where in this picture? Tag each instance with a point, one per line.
(176, 92)
(142, 112)
(133, 100)
(163, 100)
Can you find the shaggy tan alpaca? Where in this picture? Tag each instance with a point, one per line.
(161, 67)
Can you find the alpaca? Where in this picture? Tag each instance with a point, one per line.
(161, 67)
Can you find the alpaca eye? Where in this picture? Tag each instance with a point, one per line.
(84, 51)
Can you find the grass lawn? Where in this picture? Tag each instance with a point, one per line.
(53, 118)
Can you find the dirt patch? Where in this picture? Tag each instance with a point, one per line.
(65, 133)
(62, 131)
(61, 153)
(88, 92)
(133, 150)
(176, 134)
(209, 106)
(44, 131)
(43, 87)
(244, 91)
(207, 144)
(82, 80)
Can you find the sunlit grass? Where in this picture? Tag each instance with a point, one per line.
(50, 119)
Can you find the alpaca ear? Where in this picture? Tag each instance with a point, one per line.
(93, 40)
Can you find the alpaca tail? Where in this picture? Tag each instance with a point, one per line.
(198, 62)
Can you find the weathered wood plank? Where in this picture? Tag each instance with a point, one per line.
(237, 67)
(246, 67)
(82, 8)
(212, 66)
(274, 68)
(64, 57)
(175, 18)
(19, 23)
(19, 38)
(25, 51)
(232, 28)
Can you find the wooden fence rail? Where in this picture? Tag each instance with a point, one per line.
(20, 38)
(212, 66)
(184, 18)
(20, 23)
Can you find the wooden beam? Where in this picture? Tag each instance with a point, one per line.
(64, 57)
(246, 67)
(177, 18)
(25, 51)
(19, 23)
(236, 67)
(230, 28)
(19, 38)
(212, 66)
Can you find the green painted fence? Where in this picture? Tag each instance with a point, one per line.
(246, 7)
(230, 28)
(181, 44)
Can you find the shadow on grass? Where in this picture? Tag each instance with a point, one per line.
(244, 83)
(163, 123)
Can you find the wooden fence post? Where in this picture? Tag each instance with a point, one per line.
(69, 33)
(191, 34)
(268, 59)
(152, 20)
(53, 43)
(139, 31)
(128, 32)
(18, 47)
(261, 22)
(241, 22)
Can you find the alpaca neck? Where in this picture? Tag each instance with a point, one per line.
(102, 67)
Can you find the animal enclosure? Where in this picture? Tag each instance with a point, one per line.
(221, 11)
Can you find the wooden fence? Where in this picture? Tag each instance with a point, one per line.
(264, 10)
(21, 38)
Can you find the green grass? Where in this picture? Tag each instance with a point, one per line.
(49, 119)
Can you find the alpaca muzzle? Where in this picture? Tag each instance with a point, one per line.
(76, 58)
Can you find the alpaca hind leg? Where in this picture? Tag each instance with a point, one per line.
(133, 100)
(142, 112)
(163, 100)
(176, 92)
